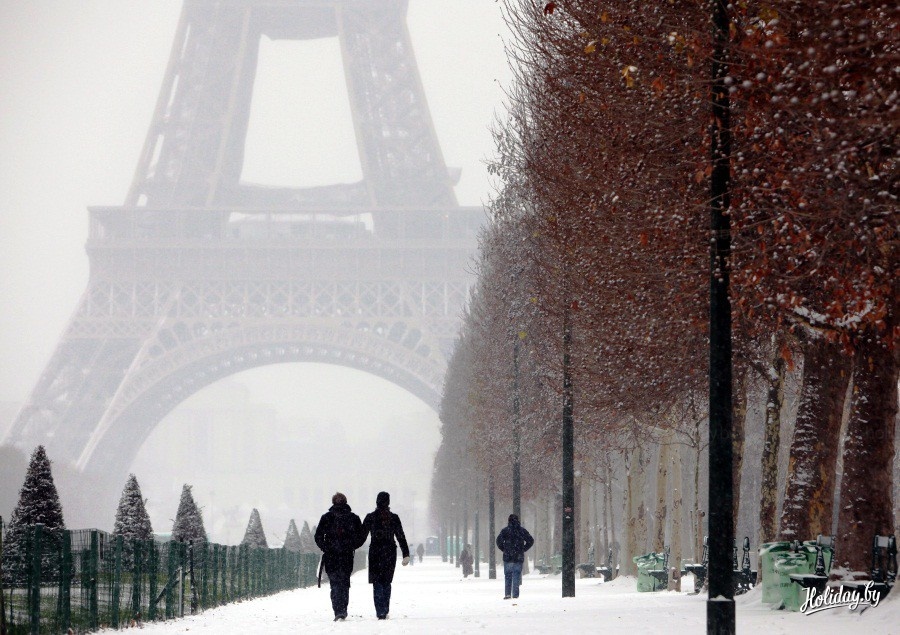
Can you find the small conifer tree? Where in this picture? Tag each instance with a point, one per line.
(188, 524)
(38, 503)
(132, 520)
(255, 536)
(307, 542)
(292, 539)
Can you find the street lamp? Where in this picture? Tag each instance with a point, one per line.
(492, 545)
(568, 465)
(517, 433)
(720, 618)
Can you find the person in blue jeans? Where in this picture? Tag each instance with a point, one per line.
(384, 527)
(513, 540)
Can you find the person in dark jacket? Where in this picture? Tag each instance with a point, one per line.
(338, 535)
(384, 526)
(420, 551)
(466, 559)
(514, 540)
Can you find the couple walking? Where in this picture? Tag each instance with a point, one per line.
(340, 533)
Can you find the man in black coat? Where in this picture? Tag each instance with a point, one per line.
(514, 540)
(338, 535)
(384, 527)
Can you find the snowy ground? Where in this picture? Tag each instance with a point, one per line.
(432, 597)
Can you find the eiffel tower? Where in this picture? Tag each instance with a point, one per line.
(200, 275)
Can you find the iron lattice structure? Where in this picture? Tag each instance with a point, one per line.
(200, 275)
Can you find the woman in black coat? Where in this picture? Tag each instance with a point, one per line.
(384, 526)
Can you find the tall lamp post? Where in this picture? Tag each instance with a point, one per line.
(492, 545)
(477, 547)
(720, 615)
(517, 433)
(568, 466)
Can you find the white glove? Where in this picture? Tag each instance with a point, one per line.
(405, 561)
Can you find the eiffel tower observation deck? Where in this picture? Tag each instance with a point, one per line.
(200, 275)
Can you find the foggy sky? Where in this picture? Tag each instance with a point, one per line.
(78, 83)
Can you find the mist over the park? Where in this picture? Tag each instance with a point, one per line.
(80, 84)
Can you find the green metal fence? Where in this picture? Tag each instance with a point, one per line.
(88, 579)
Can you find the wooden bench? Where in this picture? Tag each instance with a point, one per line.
(699, 568)
(818, 579)
(588, 569)
(744, 578)
(610, 570)
(553, 567)
(662, 575)
(884, 569)
(607, 571)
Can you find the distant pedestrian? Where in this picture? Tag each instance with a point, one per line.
(384, 526)
(513, 540)
(412, 559)
(420, 551)
(466, 559)
(338, 535)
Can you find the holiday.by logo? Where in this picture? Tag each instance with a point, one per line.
(832, 598)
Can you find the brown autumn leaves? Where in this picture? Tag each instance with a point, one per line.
(601, 214)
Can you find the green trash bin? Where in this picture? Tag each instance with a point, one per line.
(768, 551)
(645, 564)
(790, 592)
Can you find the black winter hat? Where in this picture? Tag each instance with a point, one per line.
(513, 518)
(383, 500)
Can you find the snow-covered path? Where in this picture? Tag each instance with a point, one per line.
(432, 597)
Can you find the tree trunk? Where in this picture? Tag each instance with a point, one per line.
(866, 507)
(557, 524)
(603, 543)
(634, 512)
(659, 515)
(768, 520)
(582, 520)
(698, 511)
(640, 493)
(548, 528)
(809, 496)
(677, 513)
(611, 532)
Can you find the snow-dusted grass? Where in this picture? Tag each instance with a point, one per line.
(432, 597)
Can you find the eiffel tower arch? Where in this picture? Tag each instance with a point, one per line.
(200, 275)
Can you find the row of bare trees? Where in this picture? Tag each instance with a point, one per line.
(600, 223)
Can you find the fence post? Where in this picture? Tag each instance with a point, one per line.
(228, 574)
(65, 581)
(93, 574)
(191, 577)
(233, 573)
(182, 575)
(255, 571)
(238, 580)
(170, 579)
(223, 572)
(214, 574)
(153, 579)
(136, 580)
(117, 581)
(34, 581)
(243, 572)
(204, 577)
